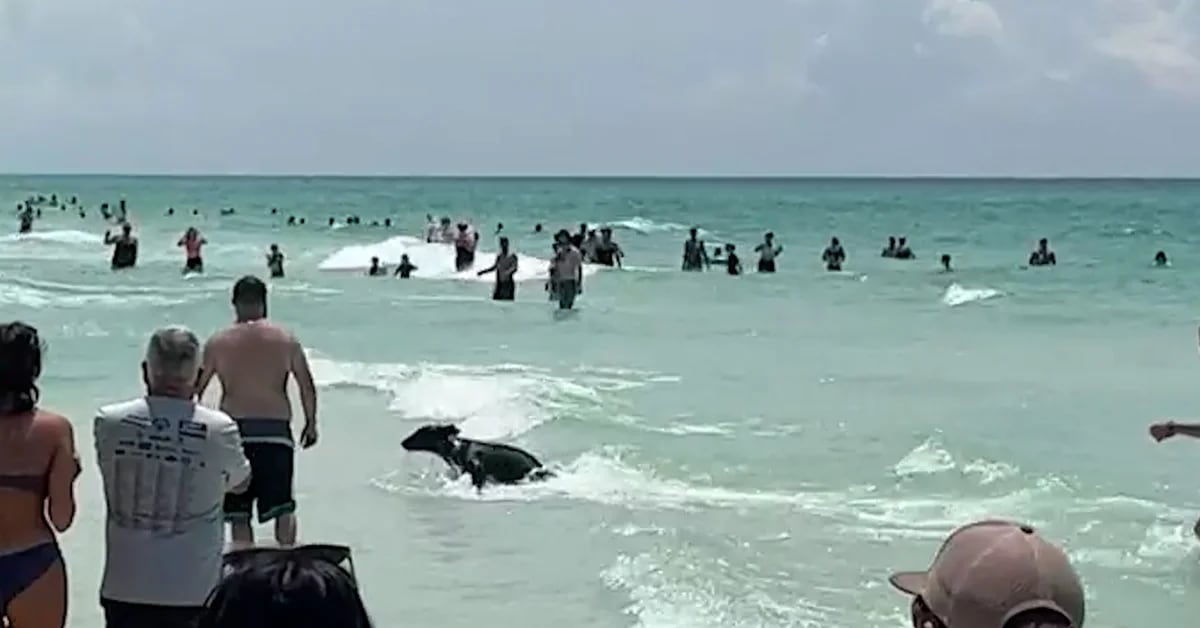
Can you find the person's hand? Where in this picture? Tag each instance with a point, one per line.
(1162, 431)
(308, 437)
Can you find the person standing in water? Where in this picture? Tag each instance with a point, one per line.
(902, 250)
(376, 269)
(405, 268)
(1160, 259)
(890, 250)
(464, 248)
(834, 255)
(192, 243)
(431, 229)
(25, 217)
(1043, 256)
(504, 267)
(254, 358)
(695, 254)
(946, 264)
(275, 262)
(567, 272)
(125, 247)
(608, 252)
(733, 264)
(767, 252)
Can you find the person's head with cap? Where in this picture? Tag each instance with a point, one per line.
(995, 574)
(250, 298)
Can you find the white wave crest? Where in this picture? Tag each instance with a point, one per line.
(64, 236)
(956, 295)
(640, 224)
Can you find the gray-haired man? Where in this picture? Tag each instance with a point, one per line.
(166, 463)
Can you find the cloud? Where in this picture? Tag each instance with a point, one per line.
(598, 86)
(1156, 42)
(964, 18)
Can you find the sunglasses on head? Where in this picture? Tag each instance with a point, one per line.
(337, 555)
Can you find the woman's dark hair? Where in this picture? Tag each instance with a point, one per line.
(286, 588)
(20, 365)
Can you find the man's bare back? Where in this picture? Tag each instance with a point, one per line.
(253, 361)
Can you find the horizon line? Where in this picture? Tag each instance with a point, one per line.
(615, 177)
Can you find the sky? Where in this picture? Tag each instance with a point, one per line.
(601, 87)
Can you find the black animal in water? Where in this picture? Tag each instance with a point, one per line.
(484, 462)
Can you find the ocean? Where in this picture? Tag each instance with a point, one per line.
(752, 451)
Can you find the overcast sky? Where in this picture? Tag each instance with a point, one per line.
(1024, 87)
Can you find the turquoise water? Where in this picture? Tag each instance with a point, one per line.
(753, 451)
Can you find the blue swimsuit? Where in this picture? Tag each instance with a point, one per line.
(20, 569)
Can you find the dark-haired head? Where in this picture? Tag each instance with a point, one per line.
(286, 588)
(20, 365)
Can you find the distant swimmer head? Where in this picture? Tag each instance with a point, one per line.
(302, 220)
(834, 242)
(374, 261)
(504, 245)
(537, 228)
(891, 242)
(694, 232)
(274, 210)
(332, 221)
(309, 585)
(20, 366)
(170, 211)
(945, 262)
(291, 220)
(729, 248)
(770, 235)
(195, 212)
(462, 227)
(387, 222)
(436, 439)
(1160, 258)
(274, 248)
(903, 240)
(250, 298)
(1043, 243)
(126, 228)
(499, 227)
(404, 258)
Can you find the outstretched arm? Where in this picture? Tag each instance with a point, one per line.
(1163, 431)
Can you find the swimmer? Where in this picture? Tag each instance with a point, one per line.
(767, 252)
(195, 212)
(405, 269)
(608, 252)
(1160, 259)
(505, 267)
(228, 212)
(121, 213)
(717, 253)
(431, 229)
(275, 262)
(946, 264)
(695, 254)
(170, 211)
(291, 221)
(274, 210)
(387, 223)
(105, 212)
(26, 220)
(902, 250)
(578, 238)
(192, 242)
(733, 265)
(376, 269)
(834, 255)
(125, 247)
(446, 231)
(464, 248)
(499, 228)
(332, 222)
(74, 200)
(890, 250)
(302, 220)
(537, 228)
(1043, 256)
(568, 270)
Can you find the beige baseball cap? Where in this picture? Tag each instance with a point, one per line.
(988, 572)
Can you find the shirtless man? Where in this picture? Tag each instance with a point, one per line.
(504, 267)
(253, 359)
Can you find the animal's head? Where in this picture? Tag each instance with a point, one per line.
(438, 439)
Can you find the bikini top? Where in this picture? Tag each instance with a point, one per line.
(35, 484)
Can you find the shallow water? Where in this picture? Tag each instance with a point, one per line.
(754, 451)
